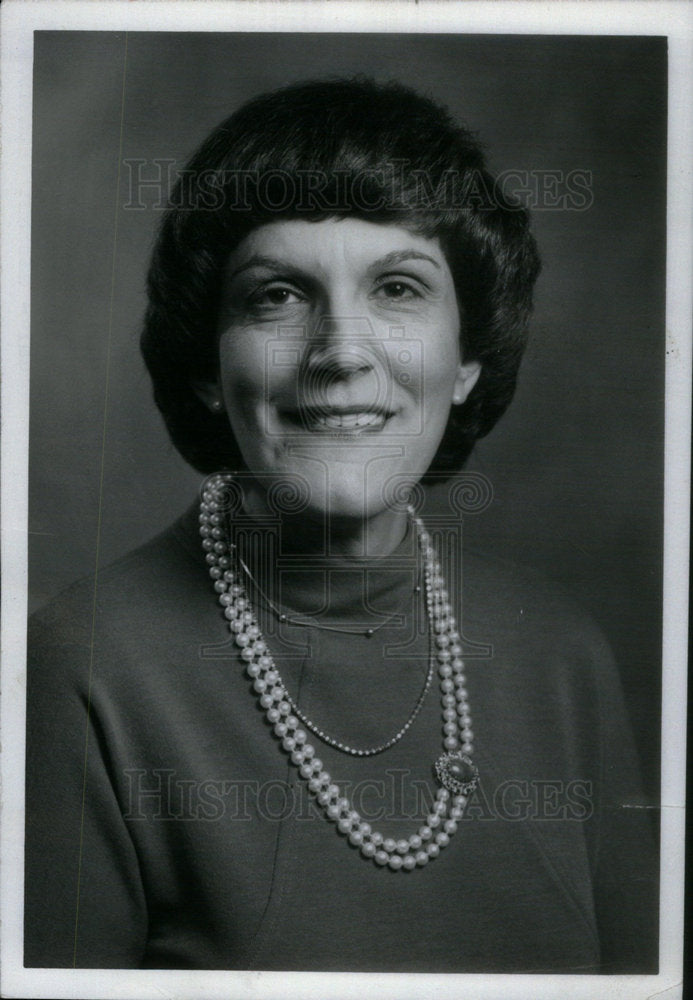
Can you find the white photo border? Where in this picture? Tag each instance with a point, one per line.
(19, 19)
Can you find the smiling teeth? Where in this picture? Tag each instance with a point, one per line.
(348, 421)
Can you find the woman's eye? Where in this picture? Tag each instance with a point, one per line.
(397, 291)
(275, 295)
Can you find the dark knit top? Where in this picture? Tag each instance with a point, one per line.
(166, 827)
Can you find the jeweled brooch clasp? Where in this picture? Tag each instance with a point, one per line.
(457, 772)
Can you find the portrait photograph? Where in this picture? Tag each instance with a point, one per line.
(346, 449)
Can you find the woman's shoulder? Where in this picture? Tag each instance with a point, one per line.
(143, 583)
(504, 591)
(535, 637)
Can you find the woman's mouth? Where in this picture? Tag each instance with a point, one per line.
(349, 419)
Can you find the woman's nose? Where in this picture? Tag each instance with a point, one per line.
(342, 347)
(344, 366)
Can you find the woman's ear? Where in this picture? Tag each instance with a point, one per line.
(466, 379)
(210, 394)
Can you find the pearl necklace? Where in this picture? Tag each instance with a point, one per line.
(455, 771)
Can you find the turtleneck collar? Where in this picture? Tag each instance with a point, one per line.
(327, 588)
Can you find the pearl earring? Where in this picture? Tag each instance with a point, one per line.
(216, 406)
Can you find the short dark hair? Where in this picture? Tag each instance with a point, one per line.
(332, 148)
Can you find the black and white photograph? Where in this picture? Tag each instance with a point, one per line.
(346, 442)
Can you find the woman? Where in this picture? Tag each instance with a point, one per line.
(263, 755)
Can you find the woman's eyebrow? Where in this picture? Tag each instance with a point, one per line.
(277, 263)
(259, 260)
(397, 256)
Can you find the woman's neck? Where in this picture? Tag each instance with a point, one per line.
(337, 536)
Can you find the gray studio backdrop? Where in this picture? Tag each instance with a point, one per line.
(576, 464)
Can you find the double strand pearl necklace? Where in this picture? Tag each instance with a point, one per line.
(455, 771)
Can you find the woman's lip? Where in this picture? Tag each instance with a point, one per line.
(337, 418)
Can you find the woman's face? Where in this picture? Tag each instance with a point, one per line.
(339, 358)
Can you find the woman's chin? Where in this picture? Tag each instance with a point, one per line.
(349, 505)
(345, 506)
(346, 491)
